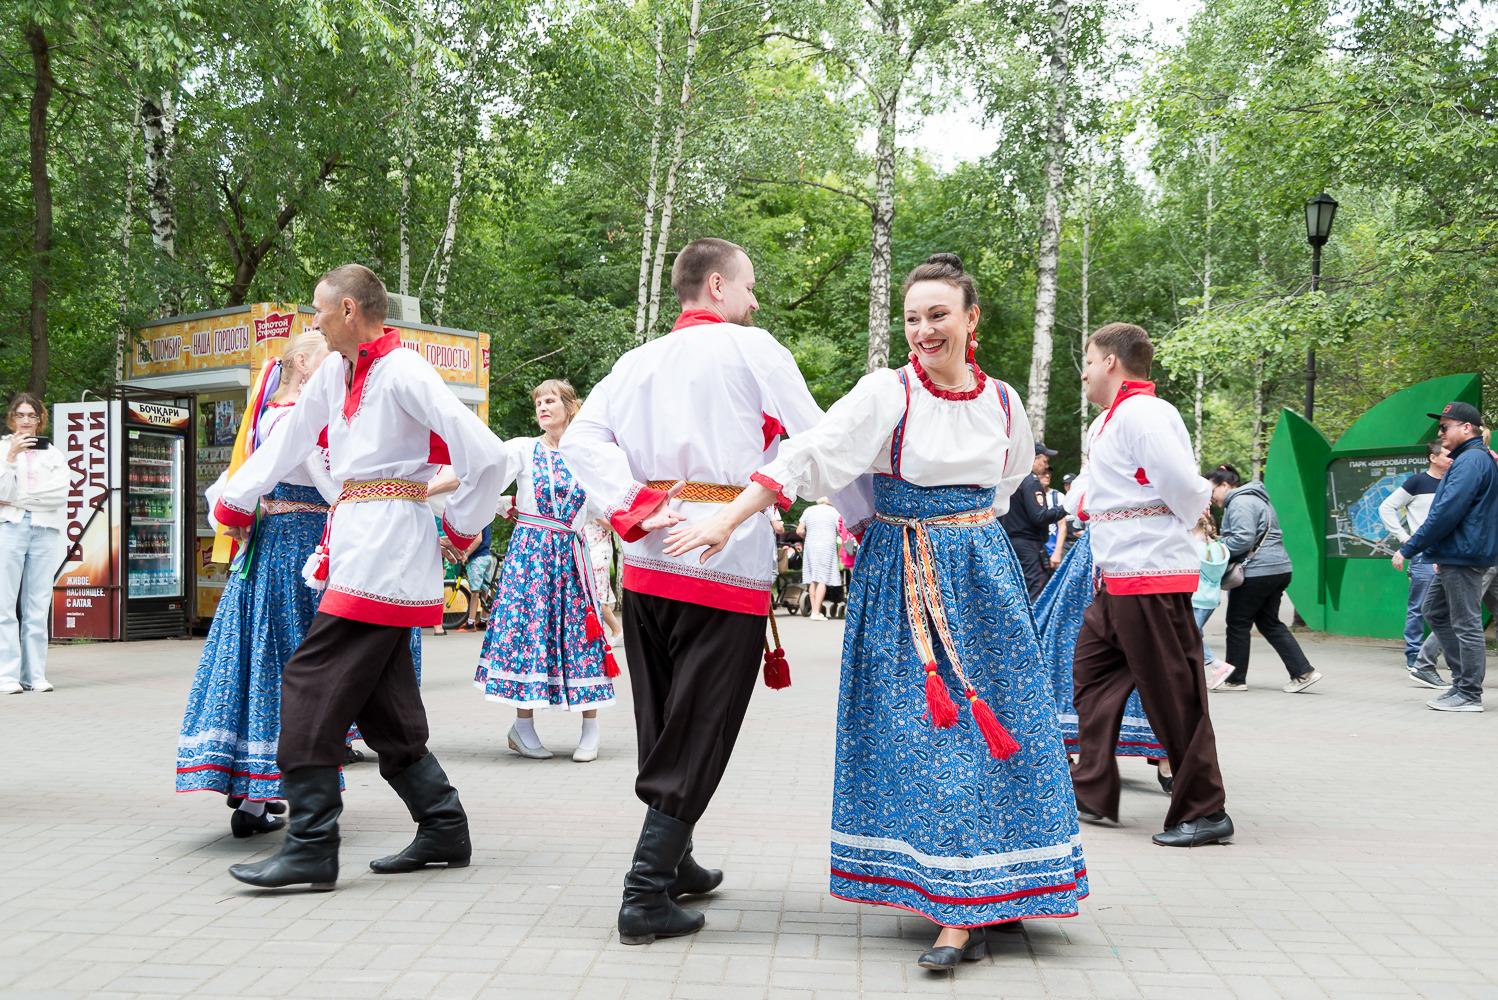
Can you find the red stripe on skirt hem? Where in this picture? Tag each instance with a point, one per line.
(956, 900)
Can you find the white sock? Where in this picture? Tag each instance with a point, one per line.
(526, 730)
(253, 808)
(589, 740)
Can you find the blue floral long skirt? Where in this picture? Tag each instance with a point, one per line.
(232, 725)
(536, 650)
(927, 819)
(1058, 617)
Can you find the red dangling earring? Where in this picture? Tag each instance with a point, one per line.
(972, 347)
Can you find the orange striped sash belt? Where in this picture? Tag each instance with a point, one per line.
(699, 492)
(270, 508)
(383, 489)
(923, 599)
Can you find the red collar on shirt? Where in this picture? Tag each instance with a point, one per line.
(697, 317)
(368, 355)
(1126, 390)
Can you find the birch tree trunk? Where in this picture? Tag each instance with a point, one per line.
(668, 200)
(642, 294)
(1256, 457)
(882, 226)
(41, 196)
(1196, 403)
(1050, 221)
(158, 125)
(122, 336)
(1086, 302)
(449, 235)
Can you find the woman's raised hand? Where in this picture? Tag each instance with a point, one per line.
(18, 443)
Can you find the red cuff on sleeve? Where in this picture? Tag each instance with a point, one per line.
(626, 521)
(232, 516)
(461, 541)
(781, 500)
(1081, 512)
(437, 450)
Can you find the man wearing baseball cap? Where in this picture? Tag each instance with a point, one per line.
(1029, 521)
(1460, 535)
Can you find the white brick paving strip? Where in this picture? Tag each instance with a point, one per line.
(1363, 867)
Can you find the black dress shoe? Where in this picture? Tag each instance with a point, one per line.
(442, 825)
(1214, 829)
(352, 756)
(692, 879)
(647, 911)
(310, 851)
(243, 825)
(946, 957)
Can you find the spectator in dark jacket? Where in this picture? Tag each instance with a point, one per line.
(1251, 532)
(1028, 523)
(1460, 535)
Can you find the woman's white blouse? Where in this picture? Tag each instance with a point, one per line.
(945, 442)
(36, 482)
(522, 454)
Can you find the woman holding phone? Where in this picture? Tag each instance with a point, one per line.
(33, 488)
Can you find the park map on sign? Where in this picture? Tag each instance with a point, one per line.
(1354, 489)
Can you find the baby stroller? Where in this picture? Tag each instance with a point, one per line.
(795, 596)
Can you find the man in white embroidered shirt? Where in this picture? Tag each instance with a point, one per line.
(389, 423)
(688, 418)
(1141, 493)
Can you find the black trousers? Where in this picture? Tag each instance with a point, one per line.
(1149, 642)
(1033, 562)
(346, 671)
(1256, 602)
(692, 669)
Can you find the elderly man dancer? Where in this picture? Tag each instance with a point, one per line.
(688, 418)
(1141, 493)
(389, 424)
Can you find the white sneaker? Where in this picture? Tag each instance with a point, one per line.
(819, 617)
(43, 686)
(11, 688)
(1220, 673)
(1299, 684)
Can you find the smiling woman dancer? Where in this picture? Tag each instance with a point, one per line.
(959, 811)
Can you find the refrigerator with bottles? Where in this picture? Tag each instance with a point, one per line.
(157, 524)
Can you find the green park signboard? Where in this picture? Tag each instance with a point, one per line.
(1327, 497)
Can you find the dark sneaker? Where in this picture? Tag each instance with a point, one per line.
(1428, 677)
(1086, 814)
(1453, 702)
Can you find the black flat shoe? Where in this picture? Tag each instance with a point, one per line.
(243, 825)
(1087, 815)
(1214, 829)
(352, 756)
(946, 957)
(1166, 781)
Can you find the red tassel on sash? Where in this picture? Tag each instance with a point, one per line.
(1000, 743)
(595, 630)
(938, 701)
(777, 669)
(321, 572)
(610, 665)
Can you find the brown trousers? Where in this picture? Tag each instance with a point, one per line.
(1150, 642)
(692, 669)
(346, 671)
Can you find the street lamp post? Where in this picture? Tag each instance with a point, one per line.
(1320, 211)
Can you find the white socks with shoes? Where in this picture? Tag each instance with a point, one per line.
(526, 730)
(253, 808)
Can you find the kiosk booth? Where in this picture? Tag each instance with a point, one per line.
(1327, 497)
(208, 361)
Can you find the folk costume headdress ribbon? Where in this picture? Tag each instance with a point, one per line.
(226, 549)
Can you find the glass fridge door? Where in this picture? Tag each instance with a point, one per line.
(155, 510)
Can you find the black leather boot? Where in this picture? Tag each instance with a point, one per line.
(648, 912)
(442, 825)
(692, 879)
(310, 852)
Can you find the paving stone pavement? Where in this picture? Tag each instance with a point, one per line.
(1363, 866)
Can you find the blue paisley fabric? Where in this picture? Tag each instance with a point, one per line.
(233, 720)
(1058, 618)
(926, 819)
(536, 649)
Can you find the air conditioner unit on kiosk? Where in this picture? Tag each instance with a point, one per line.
(403, 309)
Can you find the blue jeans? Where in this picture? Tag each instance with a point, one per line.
(29, 557)
(1421, 571)
(1202, 614)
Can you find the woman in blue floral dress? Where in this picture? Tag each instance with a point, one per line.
(231, 727)
(951, 795)
(544, 646)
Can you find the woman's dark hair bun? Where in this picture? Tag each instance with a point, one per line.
(1224, 473)
(946, 260)
(944, 267)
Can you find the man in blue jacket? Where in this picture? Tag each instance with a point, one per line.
(1460, 535)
